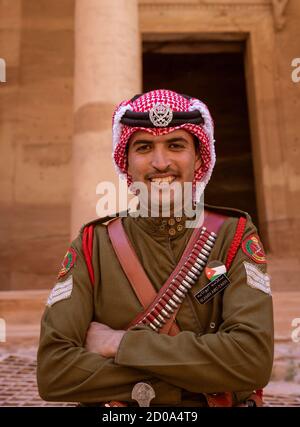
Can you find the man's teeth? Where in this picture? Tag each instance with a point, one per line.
(167, 179)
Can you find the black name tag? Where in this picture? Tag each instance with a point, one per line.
(213, 288)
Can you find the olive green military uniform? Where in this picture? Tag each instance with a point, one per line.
(224, 345)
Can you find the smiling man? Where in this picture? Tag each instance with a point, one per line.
(147, 309)
(166, 164)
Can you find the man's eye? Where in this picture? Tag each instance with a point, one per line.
(145, 147)
(174, 145)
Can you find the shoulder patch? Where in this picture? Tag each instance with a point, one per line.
(61, 291)
(253, 248)
(257, 279)
(67, 263)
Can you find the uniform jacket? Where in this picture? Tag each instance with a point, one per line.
(224, 345)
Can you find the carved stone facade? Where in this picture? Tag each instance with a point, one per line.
(279, 7)
(39, 140)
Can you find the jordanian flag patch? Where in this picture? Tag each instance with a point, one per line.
(214, 269)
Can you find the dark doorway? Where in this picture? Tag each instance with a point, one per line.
(218, 79)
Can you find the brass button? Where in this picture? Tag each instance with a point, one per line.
(178, 218)
(212, 325)
(164, 222)
(162, 227)
(171, 221)
(172, 231)
(179, 227)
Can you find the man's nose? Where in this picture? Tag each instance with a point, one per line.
(160, 159)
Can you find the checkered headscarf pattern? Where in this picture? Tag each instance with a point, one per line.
(145, 102)
(204, 133)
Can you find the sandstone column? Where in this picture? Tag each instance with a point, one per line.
(107, 70)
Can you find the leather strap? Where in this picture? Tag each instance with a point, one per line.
(130, 263)
(136, 275)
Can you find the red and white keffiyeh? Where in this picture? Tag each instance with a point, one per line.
(178, 103)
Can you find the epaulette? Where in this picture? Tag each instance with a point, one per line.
(231, 212)
(103, 220)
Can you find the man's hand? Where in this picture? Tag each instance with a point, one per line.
(102, 339)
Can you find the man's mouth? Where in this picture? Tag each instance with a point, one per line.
(163, 179)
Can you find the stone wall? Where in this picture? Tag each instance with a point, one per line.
(288, 48)
(36, 131)
(36, 41)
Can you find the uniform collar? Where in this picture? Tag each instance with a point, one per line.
(163, 226)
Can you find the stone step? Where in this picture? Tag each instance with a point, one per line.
(286, 366)
(284, 273)
(286, 309)
(22, 307)
(21, 313)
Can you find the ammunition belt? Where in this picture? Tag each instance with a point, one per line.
(172, 294)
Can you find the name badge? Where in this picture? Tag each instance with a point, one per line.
(212, 288)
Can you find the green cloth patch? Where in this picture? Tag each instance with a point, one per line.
(68, 262)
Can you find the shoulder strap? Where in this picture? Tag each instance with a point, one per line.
(132, 266)
(136, 275)
(130, 263)
(134, 271)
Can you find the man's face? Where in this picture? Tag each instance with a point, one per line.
(167, 158)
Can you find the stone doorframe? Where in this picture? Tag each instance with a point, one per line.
(254, 22)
